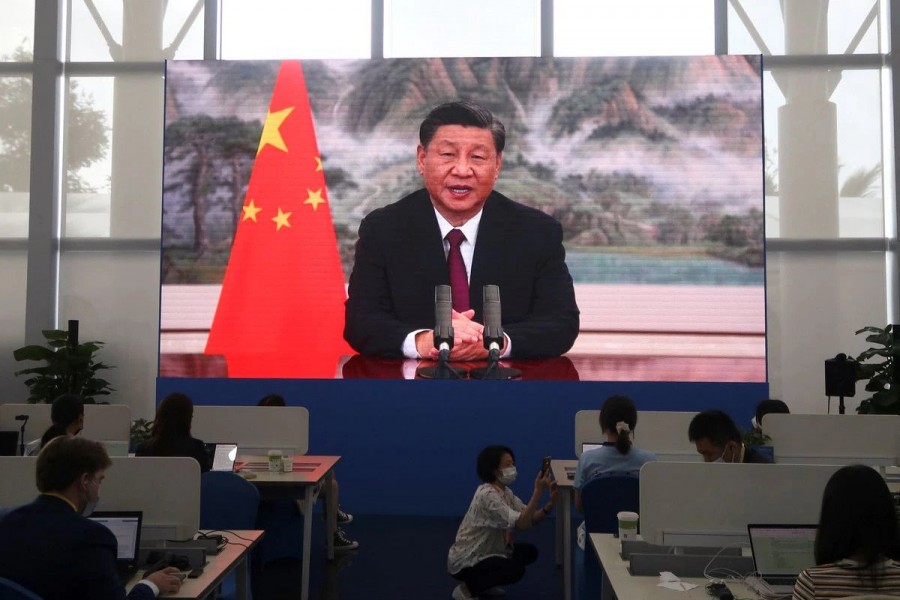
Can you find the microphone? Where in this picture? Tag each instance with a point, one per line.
(493, 338)
(443, 337)
(21, 417)
(493, 323)
(443, 316)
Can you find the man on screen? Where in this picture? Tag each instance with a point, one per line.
(459, 231)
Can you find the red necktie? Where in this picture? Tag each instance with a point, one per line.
(459, 281)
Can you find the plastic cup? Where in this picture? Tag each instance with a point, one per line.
(628, 525)
(275, 461)
(287, 463)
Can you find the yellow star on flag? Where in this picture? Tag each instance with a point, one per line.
(271, 134)
(314, 198)
(281, 219)
(250, 211)
(318, 163)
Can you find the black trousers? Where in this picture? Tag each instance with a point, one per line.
(498, 570)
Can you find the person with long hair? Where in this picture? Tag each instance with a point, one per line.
(485, 555)
(858, 541)
(67, 417)
(331, 508)
(618, 418)
(171, 432)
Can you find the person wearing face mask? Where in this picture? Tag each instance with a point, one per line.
(67, 415)
(718, 439)
(766, 407)
(49, 547)
(484, 555)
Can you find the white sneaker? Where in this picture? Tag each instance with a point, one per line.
(461, 592)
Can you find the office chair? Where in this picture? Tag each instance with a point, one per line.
(10, 590)
(228, 501)
(602, 499)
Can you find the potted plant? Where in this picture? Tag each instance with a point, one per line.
(69, 368)
(877, 366)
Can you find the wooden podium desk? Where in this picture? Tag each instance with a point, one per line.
(618, 582)
(565, 500)
(298, 484)
(232, 558)
(358, 366)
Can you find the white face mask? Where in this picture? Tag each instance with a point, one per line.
(507, 475)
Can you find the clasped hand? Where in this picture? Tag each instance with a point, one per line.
(468, 339)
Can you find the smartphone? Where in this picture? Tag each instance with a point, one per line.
(545, 466)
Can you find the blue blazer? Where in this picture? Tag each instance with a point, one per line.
(400, 259)
(60, 555)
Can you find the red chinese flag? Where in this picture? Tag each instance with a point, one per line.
(281, 310)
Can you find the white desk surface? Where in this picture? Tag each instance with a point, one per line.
(218, 567)
(307, 472)
(627, 587)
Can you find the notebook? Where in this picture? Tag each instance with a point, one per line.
(126, 526)
(780, 552)
(223, 456)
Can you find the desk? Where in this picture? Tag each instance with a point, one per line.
(300, 483)
(558, 368)
(233, 557)
(565, 500)
(619, 583)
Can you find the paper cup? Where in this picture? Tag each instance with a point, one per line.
(628, 525)
(287, 463)
(275, 461)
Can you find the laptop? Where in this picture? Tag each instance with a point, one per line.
(126, 526)
(780, 552)
(223, 456)
(586, 446)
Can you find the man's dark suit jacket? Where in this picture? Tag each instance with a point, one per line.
(400, 259)
(58, 554)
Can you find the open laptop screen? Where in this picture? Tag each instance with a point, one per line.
(782, 549)
(585, 446)
(223, 456)
(126, 526)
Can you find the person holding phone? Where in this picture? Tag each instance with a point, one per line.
(485, 555)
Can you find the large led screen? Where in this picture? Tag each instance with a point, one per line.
(653, 167)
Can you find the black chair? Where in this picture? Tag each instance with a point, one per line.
(10, 590)
(602, 499)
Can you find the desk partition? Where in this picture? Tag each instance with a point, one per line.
(711, 504)
(104, 422)
(166, 490)
(663, 432)
(255, 429)
(834, 439)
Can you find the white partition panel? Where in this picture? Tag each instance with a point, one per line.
(711, 504)
(834, 439)
(166, 490)
(101, 421)
(662, 432)
(255, 429)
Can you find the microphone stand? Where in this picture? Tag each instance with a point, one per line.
(442, 370)
(24, 419)
(494, 370)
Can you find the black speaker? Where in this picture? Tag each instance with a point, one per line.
(840, 376)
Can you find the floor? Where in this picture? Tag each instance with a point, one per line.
(399, 557)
